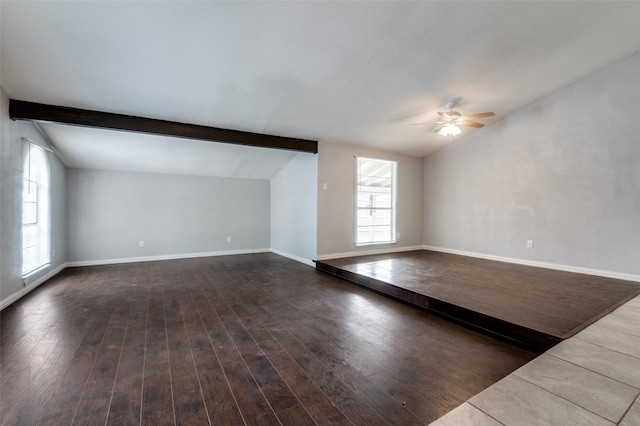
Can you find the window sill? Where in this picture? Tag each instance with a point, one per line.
(385, 243)
(35, 271)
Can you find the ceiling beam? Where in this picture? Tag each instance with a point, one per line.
(22, 110)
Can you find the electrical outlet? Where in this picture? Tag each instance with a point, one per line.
(529, 243)
(141, 243)
(53, 253)
(228, 239)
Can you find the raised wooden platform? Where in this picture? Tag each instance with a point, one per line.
(532, 307)
(254, 339)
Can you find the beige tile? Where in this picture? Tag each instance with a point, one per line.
(621, 367)
(514, 401)
(604, 396)
(604, 335)
(633, 416)
(466, 415)
(633, 302)
(621, 323)
(627, 311)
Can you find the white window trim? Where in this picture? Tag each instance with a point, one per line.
(43, 212)
(394, 209)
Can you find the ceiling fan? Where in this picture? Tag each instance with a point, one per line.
(450, 120)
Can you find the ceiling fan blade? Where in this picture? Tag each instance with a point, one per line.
(429, 122)
(479, 115)
(440, 128)
(470, 124)
(444, 115)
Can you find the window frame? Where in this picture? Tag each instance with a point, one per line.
(393, 208)
(36, 177)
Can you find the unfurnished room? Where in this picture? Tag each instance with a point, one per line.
(312, 212)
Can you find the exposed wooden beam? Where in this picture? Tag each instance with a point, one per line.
(22, 110)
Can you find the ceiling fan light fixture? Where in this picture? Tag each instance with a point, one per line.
(450, 121)
(450, 130)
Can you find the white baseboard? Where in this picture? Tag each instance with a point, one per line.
(368, 252)
(164, 257)
(547, 265)
(294, 257)
(36, 282)
(576, 269)
(32, 285)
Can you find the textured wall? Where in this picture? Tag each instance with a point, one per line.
(564, 172)
(336, 168)
(110, 212)
(11, 165)
(294, 203)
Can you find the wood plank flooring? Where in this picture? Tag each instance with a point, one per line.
(252, 339)
(536, 307)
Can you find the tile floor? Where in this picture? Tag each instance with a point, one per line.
(592, 378)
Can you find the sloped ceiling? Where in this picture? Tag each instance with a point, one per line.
(345, 72)
(84, 147)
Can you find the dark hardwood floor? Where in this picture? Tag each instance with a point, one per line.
(251, 339)
(534, 307)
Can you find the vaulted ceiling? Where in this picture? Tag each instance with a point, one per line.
(344, 72)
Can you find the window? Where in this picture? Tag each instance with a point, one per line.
(376, 201)
(35, 210)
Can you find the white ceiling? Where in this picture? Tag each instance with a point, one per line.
(84, 147)
(345, 72)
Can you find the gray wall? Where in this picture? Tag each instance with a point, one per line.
(11, 165)
(336, 168)
(110, 212)
(564, 172)
(294, 209)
